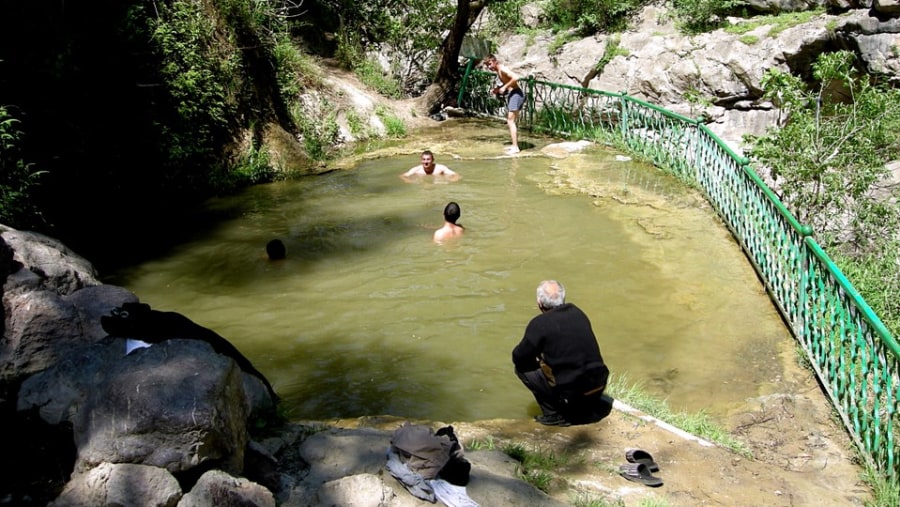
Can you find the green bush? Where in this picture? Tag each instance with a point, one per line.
(588, 17)
(17, 180)
(200, 78)
(320, 130)
(393, 124)
(253, 167)
(371, 74)
(357, 125)
(505, 17)
(831, 152)
(829, 160)
(294, 70)
(697, 16)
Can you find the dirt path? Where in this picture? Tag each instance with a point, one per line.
(800, 455)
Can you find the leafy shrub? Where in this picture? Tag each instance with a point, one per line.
(591, 16)
(17, 180)
(505, 17)
(320, 130)
(610, 51)
(371, 74)
(697, 16)
(254, 167)
(404, 30)
(199, 75)
(293, 69)
(829, 160)
(393, 124)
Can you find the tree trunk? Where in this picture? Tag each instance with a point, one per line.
(442, 92)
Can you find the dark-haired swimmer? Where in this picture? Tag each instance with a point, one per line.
(450, 228)
(276, 250)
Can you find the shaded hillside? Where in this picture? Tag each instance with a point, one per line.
(125, 132)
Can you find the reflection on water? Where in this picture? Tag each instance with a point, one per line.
(368, 316)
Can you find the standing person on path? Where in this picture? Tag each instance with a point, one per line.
(559, 360)
(428, 167)
(515, 98)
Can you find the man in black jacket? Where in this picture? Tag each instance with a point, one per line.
(559, 360)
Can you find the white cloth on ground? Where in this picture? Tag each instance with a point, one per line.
(451, 495)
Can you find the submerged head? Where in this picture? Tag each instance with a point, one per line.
(550, 294)
(276, 250)
(451, 212)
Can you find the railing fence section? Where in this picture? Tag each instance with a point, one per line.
(854, 355)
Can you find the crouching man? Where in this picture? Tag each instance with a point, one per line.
(559, 360)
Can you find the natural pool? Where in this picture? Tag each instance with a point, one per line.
(367, 316)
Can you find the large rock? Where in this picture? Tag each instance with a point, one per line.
(841, 5)
(888, 7)
(778, 6)
(178, 405)
(120, 484)
(58, 268)
(216, 488)
(700, 73)
(175, 405)
(44, 327)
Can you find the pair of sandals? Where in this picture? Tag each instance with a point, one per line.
(640, 468)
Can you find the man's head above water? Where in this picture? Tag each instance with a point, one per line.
(427, 160)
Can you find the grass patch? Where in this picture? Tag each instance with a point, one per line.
(654, 502)
(357, 124)
(487, 444)
(543, 468)
(539, 467)
(803, 359)
(748, 39)
(560, 40)
(778, 22)
(394, 125)
(586, 500)
(589, 500)
(699, 423)
(370, 73)
(610, 51)
(884, 491)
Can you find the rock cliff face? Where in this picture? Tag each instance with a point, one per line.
(716, 75)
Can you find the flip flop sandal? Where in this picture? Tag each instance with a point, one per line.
(638, 472)
(643, 457)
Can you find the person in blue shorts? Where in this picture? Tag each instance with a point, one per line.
(515, 97)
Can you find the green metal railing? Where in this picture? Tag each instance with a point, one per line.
(854, 355)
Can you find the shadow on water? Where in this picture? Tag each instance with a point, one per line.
(366, 316)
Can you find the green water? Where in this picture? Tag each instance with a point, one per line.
(367, 316)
